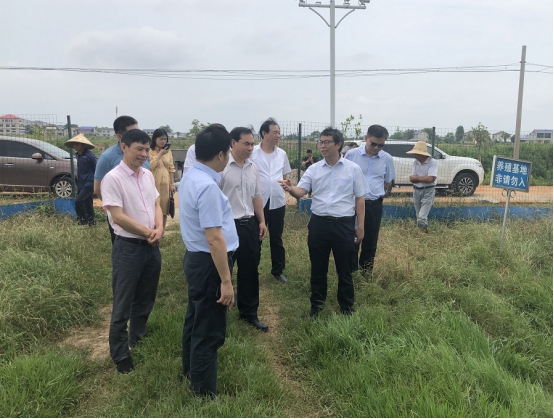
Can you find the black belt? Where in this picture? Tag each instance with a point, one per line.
(132, 240)
(374, 201)
(243, 221)
(424, 187)
(334, 219)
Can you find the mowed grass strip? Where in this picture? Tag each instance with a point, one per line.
(446, 326)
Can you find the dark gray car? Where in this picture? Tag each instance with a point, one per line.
(32, 165)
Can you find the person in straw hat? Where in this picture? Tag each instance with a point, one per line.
(86, 165)
(424, 178)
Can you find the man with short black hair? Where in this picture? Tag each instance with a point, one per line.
(130, 199)
(378, 169)
(273, 165)
(208, 230)
(338, 197)
(308, 159)
(240, 182)
(112, 156)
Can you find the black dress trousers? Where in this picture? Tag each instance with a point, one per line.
(247, 259)
(326, 234)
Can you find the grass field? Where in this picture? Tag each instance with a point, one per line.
(446, 326)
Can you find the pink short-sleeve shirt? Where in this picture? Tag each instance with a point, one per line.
(137, 195)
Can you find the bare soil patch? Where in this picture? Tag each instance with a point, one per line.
(93, 339)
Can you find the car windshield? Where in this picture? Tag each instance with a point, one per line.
(52, 149)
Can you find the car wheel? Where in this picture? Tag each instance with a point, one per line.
(62, 187)
(465, 184)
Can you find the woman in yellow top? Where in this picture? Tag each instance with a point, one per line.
(161, 166)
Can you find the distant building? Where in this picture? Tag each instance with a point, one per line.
(87, 131)
(12, 125)
(420, 136)
(149, 131)
(106, 132)
(55, 130)
(501, 137)
(539, 136)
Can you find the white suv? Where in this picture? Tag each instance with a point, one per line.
(461, 174)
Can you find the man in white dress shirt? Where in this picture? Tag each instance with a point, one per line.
(240, 182)
(273, 165)
(338, 188)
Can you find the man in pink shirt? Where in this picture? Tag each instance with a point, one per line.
(130, 197)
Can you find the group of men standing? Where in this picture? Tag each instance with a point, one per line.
(231, 196)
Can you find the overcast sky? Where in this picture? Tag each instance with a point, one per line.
(276, 35)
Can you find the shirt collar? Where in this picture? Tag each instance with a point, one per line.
(425, 162)
(128, 170)
(340, 160)
(210, 172)
(247, 162)
(364, 152)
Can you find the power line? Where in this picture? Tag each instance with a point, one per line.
(252, 75)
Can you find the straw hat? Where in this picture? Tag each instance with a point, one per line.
(80, 139)
(419, 148)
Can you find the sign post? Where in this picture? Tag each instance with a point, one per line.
(511, 175)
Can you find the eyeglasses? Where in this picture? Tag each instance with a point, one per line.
(372, 144)
(325, 143)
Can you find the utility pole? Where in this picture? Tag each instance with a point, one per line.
(520, 102)
(331, 24)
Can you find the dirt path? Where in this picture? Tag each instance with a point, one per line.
(269, 313)
(94, 339)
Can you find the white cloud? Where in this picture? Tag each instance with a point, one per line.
(130, 48)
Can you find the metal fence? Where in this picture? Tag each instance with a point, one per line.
(465, 162)
(33, 158)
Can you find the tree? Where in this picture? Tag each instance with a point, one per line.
(402, 135)
(449, 138)
(348, 124)
(197, 126)
(459, 134)
(480, 136)
(167, 128)
(505, 136)
(314, 136)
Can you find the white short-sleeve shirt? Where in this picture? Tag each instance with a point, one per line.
(270, 172)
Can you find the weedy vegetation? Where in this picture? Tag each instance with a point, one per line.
(448, 325)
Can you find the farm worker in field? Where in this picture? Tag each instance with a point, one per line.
(338, 188)
(86, 165)
(378, 169)
(111, 157)
(273, 165)
(161, 166)
(241, 184)
(208, 230)
(424, 178)
(131, 201)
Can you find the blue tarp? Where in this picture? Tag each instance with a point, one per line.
(63, 206)
(482, 213)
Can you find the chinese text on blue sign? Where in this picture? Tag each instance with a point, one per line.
(511, 174)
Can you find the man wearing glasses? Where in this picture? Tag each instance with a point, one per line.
(338, 187)
(378, 168)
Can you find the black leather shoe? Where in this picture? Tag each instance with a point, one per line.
(257, 324)
(282, 278)
(314, 312)
(347, 311)
(125, 366)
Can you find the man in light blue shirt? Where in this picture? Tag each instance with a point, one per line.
(208, 230)
(378, 169)
(112, 156)
(338, 188)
